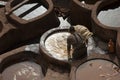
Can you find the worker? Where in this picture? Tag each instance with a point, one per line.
(76, 48)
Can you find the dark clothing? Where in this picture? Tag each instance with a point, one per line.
(79, 48)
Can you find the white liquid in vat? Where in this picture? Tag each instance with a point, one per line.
(3, 3)
(33, 14)
(23, 71)
(110, 17)
(98, 70)
(56, 44)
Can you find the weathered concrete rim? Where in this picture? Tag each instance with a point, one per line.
(22, 21)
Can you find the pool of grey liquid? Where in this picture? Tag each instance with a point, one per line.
(23, 71)
(98, 70)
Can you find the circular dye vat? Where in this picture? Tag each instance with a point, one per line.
(105, 19)
(56, 44)
(23, 71)
(98, 69)
(53, 46)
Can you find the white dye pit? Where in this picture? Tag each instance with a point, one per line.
(110, 17)
(23, 71)
(98, 70)
(39, 10)
(56, 44)
(3, 3)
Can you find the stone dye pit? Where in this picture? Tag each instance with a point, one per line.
(110, 17)
(56, 44)
(83, 9)
(22, 20)
(105, 19)
(23, 71)
(53, 46)
(98, 70)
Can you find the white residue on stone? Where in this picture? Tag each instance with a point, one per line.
(33, 48)
(56, 44)
(63, 23)
(110, 17)
(92, 47)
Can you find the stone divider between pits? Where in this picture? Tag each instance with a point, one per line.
(93, 56)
